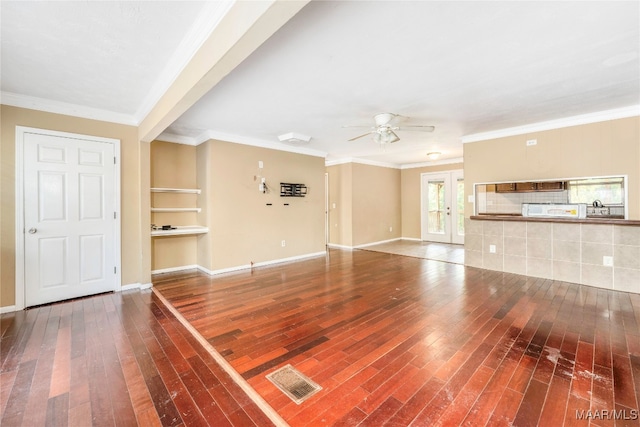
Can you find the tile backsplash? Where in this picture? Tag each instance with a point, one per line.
(502, 203)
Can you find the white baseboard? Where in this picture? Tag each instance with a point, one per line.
(174, 269)
(378, 243)
(260, 264)
(411, 238)
(334, 246)
(146, 286)
(7, 309)
(129, 287)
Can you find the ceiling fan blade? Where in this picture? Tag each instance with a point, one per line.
(393, 137)
(417, 128)
(360, 136)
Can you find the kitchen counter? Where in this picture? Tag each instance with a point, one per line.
(516, 217)
(600, 252)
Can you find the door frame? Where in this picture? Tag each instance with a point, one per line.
(451, 175)
(21, 131)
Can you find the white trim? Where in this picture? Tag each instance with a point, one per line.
(601, 116)
(362, 162)
(238, 139)
(129, 287)
(413, 239)
(8, 309)
(436, 163)
(377, 243)
(177, 139)
(260, 264)
(336, 246)
(19, 208)
(174, 269)
(134, 286)
(65, 108)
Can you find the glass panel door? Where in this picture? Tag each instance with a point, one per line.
(443, 207)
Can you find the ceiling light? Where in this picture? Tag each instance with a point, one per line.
(433, 155)
(385, 136)
(294, 137)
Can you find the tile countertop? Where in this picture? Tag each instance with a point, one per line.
(507, 217)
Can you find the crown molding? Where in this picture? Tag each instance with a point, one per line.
(362, 162)
(435, 163)
(238, 139)
(601, 116)
(67, 109)
(176, 139)
(208, 19)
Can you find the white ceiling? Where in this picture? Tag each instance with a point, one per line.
(464, 67)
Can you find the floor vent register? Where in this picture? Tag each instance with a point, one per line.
(293, 383)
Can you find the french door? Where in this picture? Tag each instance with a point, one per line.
(442, 205)
(69, 217)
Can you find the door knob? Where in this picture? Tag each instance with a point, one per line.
(33, 230)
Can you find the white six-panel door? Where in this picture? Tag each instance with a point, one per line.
(69, 217)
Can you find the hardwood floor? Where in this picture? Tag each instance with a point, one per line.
(392, 340)
(115, 359)
(398, 341)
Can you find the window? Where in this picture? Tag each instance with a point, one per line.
(610, 191)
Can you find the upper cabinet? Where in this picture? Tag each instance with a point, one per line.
(510, 187)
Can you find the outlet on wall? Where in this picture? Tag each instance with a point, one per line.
(607, 261)
(492, 249)
(390, 228)
(284, 243)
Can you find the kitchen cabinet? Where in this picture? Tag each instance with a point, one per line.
(504, 187)
(521, 187)
(526, 186)
(550, 186)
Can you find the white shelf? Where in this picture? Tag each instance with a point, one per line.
(175, 209)
(181, 231)
(176, 190)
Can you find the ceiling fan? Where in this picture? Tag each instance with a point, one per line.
(385, 126)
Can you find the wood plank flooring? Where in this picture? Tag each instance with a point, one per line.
(392, 340)
(397, 341)
(113, 360)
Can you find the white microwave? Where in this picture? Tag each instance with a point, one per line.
(555, 210)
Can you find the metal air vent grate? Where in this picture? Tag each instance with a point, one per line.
(294, 384)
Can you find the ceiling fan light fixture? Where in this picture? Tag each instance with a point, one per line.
(385, 136)
(434, 155)
(294, 138)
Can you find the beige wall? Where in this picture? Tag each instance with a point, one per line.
(410, 196)
(341, 204)
(173, 166)
(367, 204)
(243, 228)
(376, 204)
(133, 232)
(598, 149)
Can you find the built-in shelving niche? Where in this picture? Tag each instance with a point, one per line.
(177, 230)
